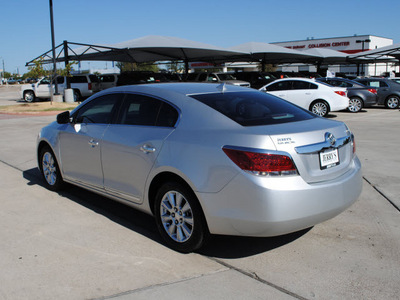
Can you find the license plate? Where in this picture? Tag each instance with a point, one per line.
(328, 159)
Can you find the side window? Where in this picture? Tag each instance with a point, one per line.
(99, 110)
(203, 77)
(139, 110)
(383, 84)
(374, 83)
(279, 86)
(168, 116)
(313, 86)
(78, 79)
(60, 79)
(300, 85)
(147, 111)
(212, 78)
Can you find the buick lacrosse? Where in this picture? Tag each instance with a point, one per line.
(205, 159)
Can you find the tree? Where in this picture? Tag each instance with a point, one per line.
(127, 66)
(37, 69)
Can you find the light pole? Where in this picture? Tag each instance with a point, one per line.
(53, 46)
(362, 50)
(2, 73)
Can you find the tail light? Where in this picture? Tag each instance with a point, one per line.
(90, 86)
(353, 143)
(373, 91)
(341, 93)
(264, 164)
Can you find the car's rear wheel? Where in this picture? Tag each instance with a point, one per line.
(50, 170)
(320, 108)
(179, 217)
(29, 96)
(355, 104)
(392, 102)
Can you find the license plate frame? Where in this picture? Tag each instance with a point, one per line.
(329, 158)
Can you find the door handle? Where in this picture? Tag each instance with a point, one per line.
(93, 143)
(147, 149)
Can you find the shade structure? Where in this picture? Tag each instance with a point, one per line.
(382, 52)
(327, 56)
(273, 54)
(149, 49)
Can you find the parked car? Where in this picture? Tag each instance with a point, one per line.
(310, 94)
(12, 80)
(360, 95)
(140, 77)
(82, 86)
(395, 79)
(107, 81)
(256, 79)
(216, 78)
(388, 91)
(205, 158)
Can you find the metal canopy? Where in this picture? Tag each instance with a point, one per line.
(274, 54)
(146, 49)
(328, 56)
(379, 53)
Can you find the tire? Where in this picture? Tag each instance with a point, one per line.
(320, 108)
(77, 96)
(392, 102)
(179, 218)
(50, 170)
(29, 96)
(355, 104)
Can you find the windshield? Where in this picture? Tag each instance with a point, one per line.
(254, 108)
(223, 76)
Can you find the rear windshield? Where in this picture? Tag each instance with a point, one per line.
(254, 108)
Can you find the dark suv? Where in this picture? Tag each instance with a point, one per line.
(388, 90)
(360, 95)
(256, 79)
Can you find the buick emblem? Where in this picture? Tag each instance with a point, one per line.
(330, 138)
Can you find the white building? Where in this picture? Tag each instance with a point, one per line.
(349, 45)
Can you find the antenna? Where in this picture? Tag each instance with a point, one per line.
(222, 87)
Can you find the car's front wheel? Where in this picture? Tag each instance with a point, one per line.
(355, 104)
(320, 108)
(50, 170)
(29, 96)
(392, 102)
(179, 218)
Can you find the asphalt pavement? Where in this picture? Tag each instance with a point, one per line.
(78, 245)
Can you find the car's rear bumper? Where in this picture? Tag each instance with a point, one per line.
(256, 206)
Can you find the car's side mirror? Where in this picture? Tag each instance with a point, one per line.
(63, 118)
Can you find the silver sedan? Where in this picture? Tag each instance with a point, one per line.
(205, 159)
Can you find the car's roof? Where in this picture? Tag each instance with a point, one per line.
(183, 88)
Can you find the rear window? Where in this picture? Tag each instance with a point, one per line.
(254, 108)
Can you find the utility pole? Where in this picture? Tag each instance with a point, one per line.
(53, 46)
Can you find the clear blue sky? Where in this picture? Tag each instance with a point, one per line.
(25, 24)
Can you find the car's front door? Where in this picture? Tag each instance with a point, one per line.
(130, 147)
(81, 141)
(43, 88)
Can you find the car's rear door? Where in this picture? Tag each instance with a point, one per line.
(301, 93)
(131, 146)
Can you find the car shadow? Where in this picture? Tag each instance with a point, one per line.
(239, 247)
(219, 246)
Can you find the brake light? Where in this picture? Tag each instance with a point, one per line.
(263, 164)
(341, 93)
(353, 142)
(373, 91)
(90, 86)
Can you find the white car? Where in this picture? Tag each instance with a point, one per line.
(81, 84)
(315, 96)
